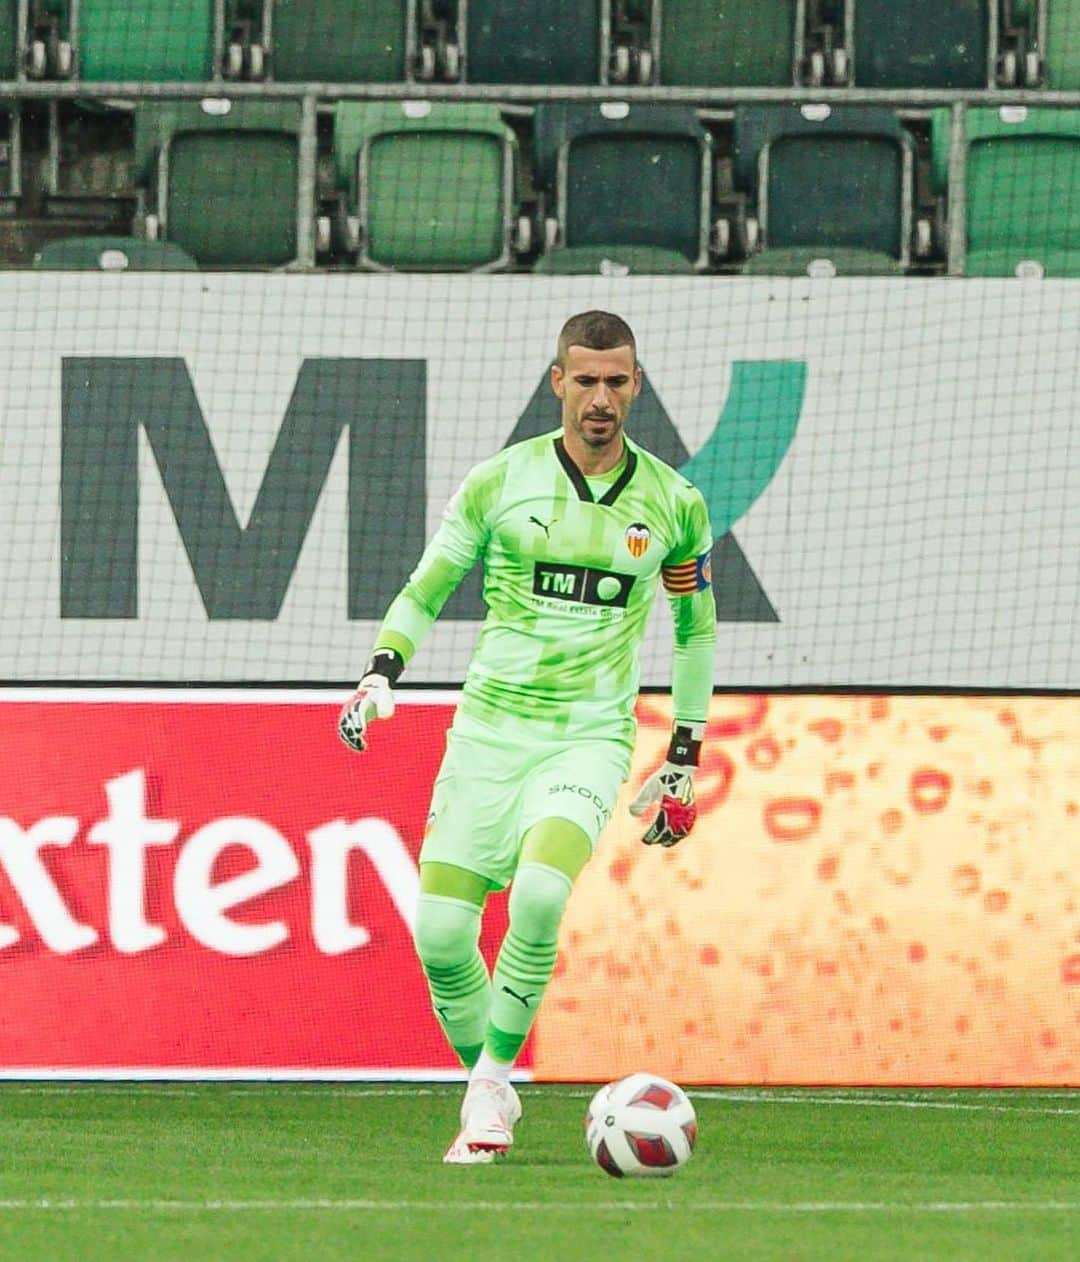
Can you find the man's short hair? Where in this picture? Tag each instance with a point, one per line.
(597, 331)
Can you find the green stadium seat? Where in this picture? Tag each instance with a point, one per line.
(161, 41)
(827, 178)
(113, 254)
(726, 43)
(921, 43)
(9, 30)
(629, 260)
(821, 263)
(223, 183)
(652, 162)
(1023, 188)
(430, 186)
(340, 41)
(532, 41)
(1057, 264)
(1061, 40)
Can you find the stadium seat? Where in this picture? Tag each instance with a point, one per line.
(9, 30)
(532, 41)
(157, 40)
(430, 186)
(113, 254)
(630, 260)
(650, 164)
(222, 182)
(1023, 189)
(818, 263)
(726, 43)
(1061, 41)
(921, 43)
(826, 178)
(340, 41)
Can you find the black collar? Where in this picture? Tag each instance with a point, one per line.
(578, 478)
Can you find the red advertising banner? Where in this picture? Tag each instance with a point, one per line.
(878, 890)
(214, 882)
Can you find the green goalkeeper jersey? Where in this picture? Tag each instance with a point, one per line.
(571, 567)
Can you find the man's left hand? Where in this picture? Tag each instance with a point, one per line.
(673, 788)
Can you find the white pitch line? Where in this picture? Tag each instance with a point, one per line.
(876, 1102)
(356, 1205)
(360, 1091)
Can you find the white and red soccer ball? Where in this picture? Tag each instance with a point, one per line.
(642, 1126)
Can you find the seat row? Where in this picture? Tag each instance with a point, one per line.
(429, 187)
(698, 43)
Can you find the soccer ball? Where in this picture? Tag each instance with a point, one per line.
(642, 1125)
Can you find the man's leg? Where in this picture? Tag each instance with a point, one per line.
(553, 853)
(447, 936)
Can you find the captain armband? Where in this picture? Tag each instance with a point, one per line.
(688, 577)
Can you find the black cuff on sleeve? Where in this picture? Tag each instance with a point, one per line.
(685, 749)
(387, 662)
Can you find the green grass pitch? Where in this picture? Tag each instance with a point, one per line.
(319, 1172)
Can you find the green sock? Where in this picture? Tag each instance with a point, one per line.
(527, 956)
(447, 934)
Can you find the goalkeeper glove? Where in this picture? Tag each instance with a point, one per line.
(673, 787)
(373, 698)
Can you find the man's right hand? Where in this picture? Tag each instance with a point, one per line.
(373, 699)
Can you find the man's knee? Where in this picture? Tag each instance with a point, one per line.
(446, 931)
(537, 901)
(557, 843)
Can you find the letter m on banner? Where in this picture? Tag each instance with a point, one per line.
(241, 571)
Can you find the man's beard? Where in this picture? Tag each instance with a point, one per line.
(611, 430)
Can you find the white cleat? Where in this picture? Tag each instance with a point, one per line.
(460, 1154)
(489, 1113)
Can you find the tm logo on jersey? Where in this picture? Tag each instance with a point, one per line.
(581, 585)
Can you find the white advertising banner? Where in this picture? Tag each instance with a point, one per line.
(228, 477)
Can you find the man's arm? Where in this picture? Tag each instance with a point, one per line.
(453, 550)
(688, 583)
(693, 657)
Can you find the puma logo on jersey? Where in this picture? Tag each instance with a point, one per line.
(546, 529)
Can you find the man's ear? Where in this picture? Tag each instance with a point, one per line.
(637, 381)
(558, 380)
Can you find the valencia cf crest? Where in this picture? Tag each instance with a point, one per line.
(637, 538)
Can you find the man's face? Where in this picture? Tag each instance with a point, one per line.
(596, 389)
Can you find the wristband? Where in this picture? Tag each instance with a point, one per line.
(685, 747)
(386, 662)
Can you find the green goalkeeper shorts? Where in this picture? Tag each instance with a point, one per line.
(489, 793)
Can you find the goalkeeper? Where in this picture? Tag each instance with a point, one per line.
(576, 529)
